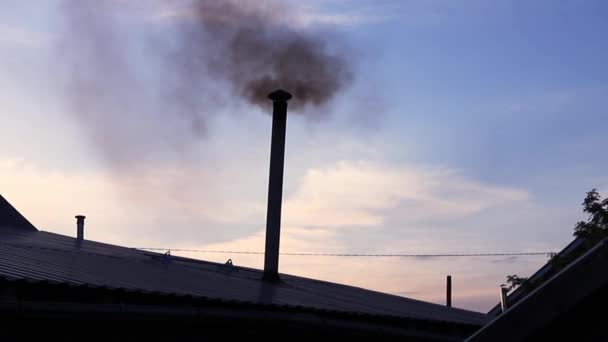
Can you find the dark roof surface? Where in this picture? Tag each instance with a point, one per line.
(556, 301)
(40, 256)
(539, 276)
(10, 217)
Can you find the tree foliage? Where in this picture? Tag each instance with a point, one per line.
(596, 226)
(514, 281)
(591, 231)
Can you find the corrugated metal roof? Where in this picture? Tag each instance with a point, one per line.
(44, 256)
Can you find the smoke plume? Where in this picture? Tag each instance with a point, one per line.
(161, 68)
(257, 52)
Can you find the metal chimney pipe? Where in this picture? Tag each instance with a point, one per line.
(80, 227)
(275, 184)
(448, 294)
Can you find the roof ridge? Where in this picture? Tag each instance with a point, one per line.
(11, 217)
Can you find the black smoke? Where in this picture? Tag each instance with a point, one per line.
(159, 69)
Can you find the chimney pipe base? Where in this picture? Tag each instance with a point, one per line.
(271, 277)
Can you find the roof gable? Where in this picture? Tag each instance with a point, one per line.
(10, 217)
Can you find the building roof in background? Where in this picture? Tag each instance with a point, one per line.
(10, 217)
(543, 274)
(566, 304)
(38, 256)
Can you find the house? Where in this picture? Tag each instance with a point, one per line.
(573, 250)
(53, 286)
(568, 306)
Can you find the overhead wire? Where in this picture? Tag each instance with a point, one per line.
(374, 255)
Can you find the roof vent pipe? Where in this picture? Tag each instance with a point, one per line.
(275, 184)
(503, 298)
(448, 291)
(80, 227)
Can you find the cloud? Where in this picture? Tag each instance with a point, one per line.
(310, 17)
(475, 280)
(330, 204)
(348, 13)
(50, 199)
(21, 36)
(359, 193)
(183, 208)
(293, 240)
(296, 14)
(151, 205)
(346, 194)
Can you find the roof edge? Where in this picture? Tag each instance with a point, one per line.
(11, 217)
(520, 292)
(579, 271)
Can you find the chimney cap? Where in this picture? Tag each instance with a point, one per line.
(279, 95)
(80, 217)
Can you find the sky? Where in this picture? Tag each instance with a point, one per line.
(469, 127)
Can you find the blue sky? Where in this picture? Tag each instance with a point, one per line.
(472, 126)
